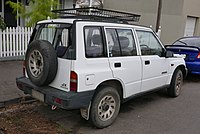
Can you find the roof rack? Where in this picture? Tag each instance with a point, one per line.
(93, 13)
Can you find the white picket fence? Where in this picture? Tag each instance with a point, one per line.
(14, 41)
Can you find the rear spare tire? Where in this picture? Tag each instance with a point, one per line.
(41, 62)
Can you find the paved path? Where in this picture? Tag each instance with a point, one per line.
(8, 72)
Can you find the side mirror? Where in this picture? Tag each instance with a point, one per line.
(169, 54)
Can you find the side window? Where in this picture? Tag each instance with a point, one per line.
(113, 43)
(93, 42)
(149, 44)
(120, 42)
(127, 42)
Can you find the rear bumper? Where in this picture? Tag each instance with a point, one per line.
(193, 67)
(67, 100)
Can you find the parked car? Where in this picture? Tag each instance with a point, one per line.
(189, 48)
(95, 65)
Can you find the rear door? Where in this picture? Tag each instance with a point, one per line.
(123, 58)
(60, 37)
(155, 65)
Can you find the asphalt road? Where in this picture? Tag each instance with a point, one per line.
(151, 114)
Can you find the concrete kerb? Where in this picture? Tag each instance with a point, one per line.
(24, 100)
(15, 58)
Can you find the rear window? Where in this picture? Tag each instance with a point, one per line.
(59, 35)
(56, 34)
(188, 42)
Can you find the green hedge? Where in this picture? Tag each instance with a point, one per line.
(2, 24)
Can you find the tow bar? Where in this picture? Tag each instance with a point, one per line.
(53, 107)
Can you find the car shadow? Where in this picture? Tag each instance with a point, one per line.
(72, 121)
(192, 78)
(143, 101)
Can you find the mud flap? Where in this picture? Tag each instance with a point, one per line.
(85, 112)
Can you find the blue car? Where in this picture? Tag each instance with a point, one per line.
(189, 47)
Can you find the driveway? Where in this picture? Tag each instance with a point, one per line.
(8, 72)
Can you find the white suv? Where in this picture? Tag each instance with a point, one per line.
(94, 65)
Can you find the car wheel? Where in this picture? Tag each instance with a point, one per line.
(41, 62)
(105, 107)
(176, 84)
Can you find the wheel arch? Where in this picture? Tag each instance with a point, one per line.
(183, 69)
(113, 83)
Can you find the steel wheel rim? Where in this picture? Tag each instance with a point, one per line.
(106, 107)
(36, 63)
(179, 81)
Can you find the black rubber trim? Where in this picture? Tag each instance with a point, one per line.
(70, 100)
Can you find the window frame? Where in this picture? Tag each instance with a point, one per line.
(121, 28)
(102, 38)
(156, 37)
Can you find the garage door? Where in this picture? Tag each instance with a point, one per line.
(190, 26)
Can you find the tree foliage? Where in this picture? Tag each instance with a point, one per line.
(2, 24)
(37, 10)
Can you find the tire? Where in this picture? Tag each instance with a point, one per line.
(41, 62)
(176, 84)
(105, 107)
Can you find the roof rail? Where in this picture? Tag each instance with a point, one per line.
(93, 13)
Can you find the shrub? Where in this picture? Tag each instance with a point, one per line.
(2, 24)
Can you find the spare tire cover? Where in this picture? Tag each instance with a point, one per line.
(41, 62)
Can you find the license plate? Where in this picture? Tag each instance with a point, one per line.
(38, 95)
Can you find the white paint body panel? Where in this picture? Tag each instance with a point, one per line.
(155, 73)
(134, 75)
(62, 79)
(130, 73)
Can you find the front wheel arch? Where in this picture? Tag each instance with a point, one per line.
(183, 69)
(176, 83)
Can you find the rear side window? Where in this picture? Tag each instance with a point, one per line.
(120, 42)
(93, 42)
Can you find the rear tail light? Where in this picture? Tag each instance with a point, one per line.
(24, 68)
(198, 56)
(58, 100)
(73, 81)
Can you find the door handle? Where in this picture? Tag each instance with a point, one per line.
(147, 62)
(117, 65)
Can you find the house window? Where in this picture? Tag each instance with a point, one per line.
(190, 26)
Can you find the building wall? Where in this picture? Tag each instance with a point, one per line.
(173, 18)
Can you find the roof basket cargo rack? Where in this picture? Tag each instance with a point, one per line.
(93, 13)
